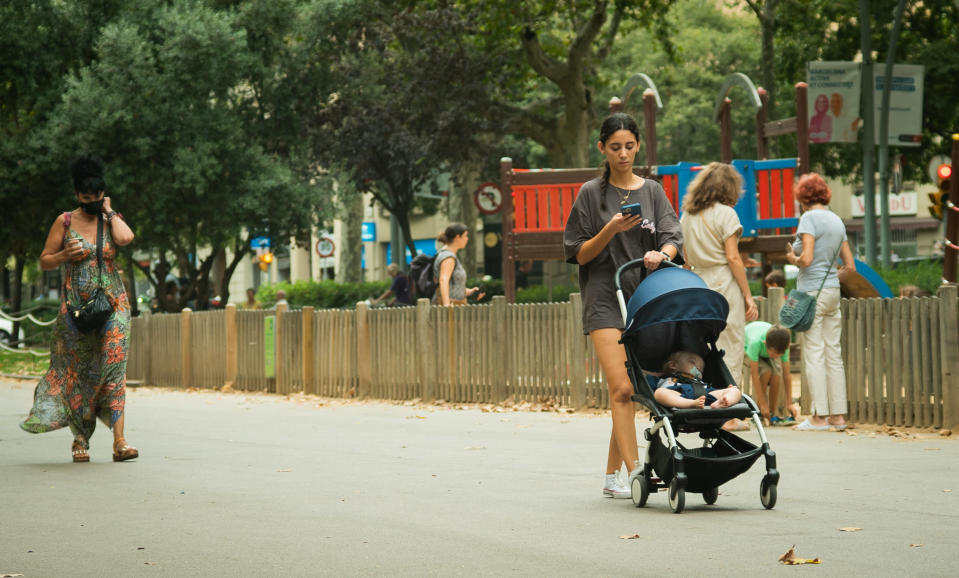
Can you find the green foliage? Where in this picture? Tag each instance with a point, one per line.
(23, 363)
(322, 294)
(925, 274)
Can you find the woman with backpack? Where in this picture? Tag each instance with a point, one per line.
(451, 286)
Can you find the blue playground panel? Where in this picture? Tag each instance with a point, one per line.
(748, 207)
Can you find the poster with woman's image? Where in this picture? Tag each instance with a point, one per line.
(834, 89)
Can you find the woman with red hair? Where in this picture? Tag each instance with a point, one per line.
(820, 238)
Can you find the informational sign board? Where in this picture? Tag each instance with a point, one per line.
(833, 101)
(905, 103)
(368, 232)
(902, 204)
(269, 346)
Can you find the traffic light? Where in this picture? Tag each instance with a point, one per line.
(941, 197)
(266, 257)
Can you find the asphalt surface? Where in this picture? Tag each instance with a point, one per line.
(259, 485)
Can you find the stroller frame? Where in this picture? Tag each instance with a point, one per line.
(723, 455)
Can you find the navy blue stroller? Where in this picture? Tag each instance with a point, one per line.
(673, 310)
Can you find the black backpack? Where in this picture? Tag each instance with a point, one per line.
(422, 275)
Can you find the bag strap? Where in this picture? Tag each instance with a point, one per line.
(99, 248)
(833, 262)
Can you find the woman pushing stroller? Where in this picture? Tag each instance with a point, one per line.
(600, 238)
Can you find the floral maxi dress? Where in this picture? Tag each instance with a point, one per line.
(87, 374)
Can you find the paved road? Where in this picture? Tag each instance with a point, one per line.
(256, 485)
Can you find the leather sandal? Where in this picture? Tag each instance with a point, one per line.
(80, 453)
(122, 452)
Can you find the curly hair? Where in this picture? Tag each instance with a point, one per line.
(716, 183)
(813, 189)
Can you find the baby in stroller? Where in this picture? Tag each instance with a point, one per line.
(681, 385)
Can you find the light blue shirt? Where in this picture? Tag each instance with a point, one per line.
(827, 229)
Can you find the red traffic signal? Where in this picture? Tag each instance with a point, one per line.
(944, 171)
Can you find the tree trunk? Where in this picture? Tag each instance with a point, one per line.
(463, 210)
(351, 270)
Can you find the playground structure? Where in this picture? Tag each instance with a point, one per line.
(537, 202)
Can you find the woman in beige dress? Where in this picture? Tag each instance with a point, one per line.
(711, 229)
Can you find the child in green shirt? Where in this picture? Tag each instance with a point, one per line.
(767, 349)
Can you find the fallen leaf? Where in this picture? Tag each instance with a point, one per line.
(789, 558)
(629, 536)
(850, 529)
(285, 470)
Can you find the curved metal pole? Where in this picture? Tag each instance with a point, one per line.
(634, 82)
(732, 80)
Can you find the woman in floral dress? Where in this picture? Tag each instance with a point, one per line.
(87, 375)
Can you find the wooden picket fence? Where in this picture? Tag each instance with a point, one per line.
(901, 355)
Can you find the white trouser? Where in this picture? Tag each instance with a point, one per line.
(822, 356)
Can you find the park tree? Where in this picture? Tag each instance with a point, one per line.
(709, 45)
(40, 42)
(164, 104)
(554, 53)
(406, 102)
(829, 30)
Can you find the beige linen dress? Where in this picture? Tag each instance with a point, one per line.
(705, 235)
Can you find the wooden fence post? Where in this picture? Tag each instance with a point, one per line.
(577, 352)
(280, 375)
(949, 353)
(186, 351)
(232, 347)
(363, 359)
(500, 348)
(148, 357)
(425, 351)
(307, 355)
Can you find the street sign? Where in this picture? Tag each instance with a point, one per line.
(325, 247)
(368, 232)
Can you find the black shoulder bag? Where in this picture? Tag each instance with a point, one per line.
(93, 313)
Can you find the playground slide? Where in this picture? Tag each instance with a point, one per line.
(864, 282)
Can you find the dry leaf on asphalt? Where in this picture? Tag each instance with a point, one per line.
(790, 558)
(629, 536)
(850, 529)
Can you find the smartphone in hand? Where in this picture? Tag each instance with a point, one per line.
(631, 209)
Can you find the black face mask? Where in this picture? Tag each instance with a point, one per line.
(92, 208)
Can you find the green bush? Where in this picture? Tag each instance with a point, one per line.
(322, 294)
(925, 274)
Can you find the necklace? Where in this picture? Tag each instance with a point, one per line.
(623, 198)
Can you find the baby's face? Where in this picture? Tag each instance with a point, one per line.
(694, 361)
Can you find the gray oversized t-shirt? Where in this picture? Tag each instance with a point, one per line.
(829, 233)
(659, 227)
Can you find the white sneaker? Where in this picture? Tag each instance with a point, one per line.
(614, 487)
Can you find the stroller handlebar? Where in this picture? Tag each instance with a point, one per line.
(636, 263)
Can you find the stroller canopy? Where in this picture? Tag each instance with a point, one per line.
(673, 310)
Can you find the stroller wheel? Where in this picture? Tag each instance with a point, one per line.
(767, 493)
(710, 495)
(677, 497)
(640, 490)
